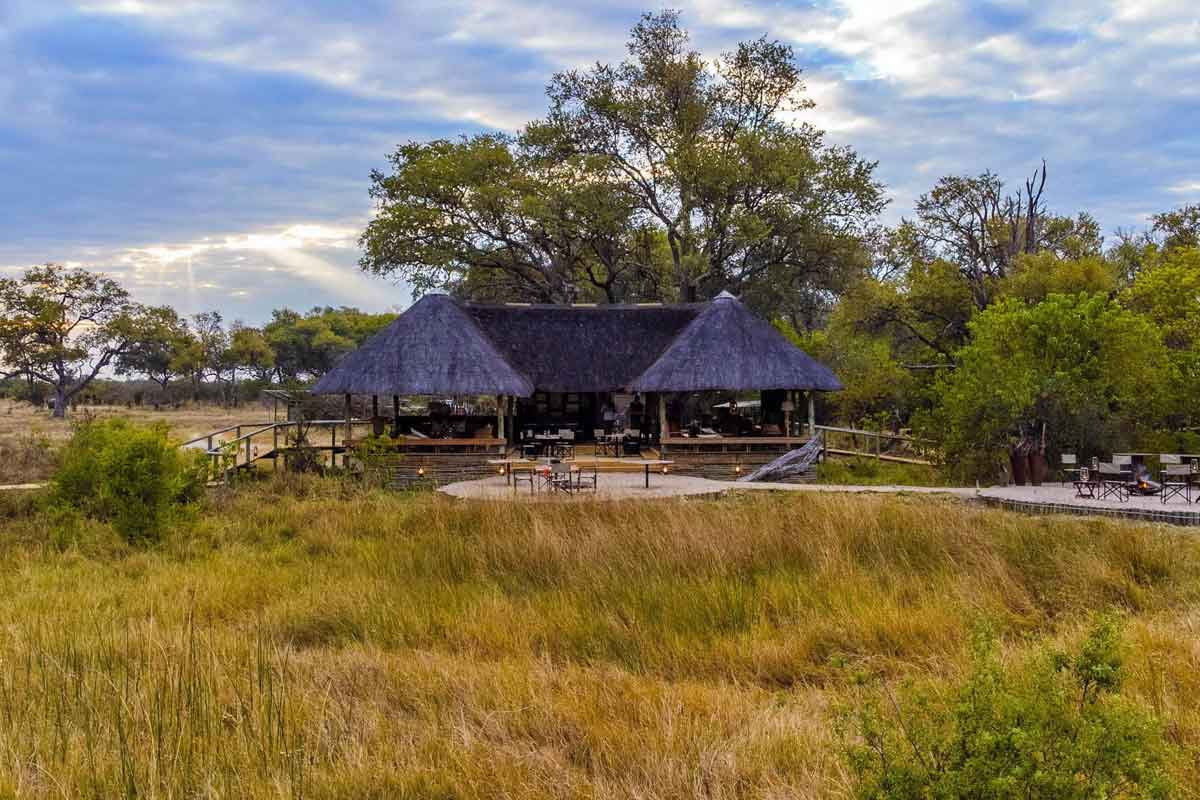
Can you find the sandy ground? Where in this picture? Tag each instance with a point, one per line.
(631, 485)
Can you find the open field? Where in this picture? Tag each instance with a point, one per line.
(308, 638)
(29, 435)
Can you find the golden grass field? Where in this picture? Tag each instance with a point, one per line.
(309, 638)
(29, 435)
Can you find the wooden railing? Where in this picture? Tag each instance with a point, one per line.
(243, 449)
(877, 444)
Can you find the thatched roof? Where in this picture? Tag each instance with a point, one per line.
(433, 348)
(582, 349)
(726, 347)
(441, 347)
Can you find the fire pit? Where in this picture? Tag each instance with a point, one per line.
(1141, 483)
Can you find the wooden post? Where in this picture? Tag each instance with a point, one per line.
(812, 413)
(349, 434)
(374, 406)
(789, 400)
(500, 403)
(663, 427)
(395, 414)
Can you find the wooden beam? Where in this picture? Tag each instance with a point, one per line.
(812, 413)
(374, 406)
(500, 414)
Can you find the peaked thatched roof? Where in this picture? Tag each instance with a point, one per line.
(727, 347)
(433, 348)
(582, 349)
(441, 347)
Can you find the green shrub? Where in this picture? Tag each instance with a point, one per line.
(1055, 728)
(130, 475)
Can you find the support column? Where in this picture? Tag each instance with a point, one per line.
(349, 435)
(663, 428)
(812, 413)
(395, 415)
(374, 406)
(501, 401)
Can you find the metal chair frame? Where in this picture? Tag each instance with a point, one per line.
(1175, 488)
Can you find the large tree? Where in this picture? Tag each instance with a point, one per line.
(978, 225)
(155, 351)
(64, 327)
(664, 174)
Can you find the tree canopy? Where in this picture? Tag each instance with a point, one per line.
(664, 177)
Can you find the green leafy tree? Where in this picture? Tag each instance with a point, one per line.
(1179, 228)
(1167, 292)
(64, 327)
(1094, 373)
(209, 355)
(155, 349)
(664, 173)
(1053, 729)
(306, 346)
(1034, 276)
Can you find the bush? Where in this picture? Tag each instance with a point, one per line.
(130, 475)
(1055, 729)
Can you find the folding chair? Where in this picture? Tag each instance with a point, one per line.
(1176, 481)
(587, 476)
(523, 474)
(1070, 465)
(560, 477)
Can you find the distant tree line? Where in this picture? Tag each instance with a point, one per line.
(62, 331)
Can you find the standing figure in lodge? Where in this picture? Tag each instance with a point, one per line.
(562, 372)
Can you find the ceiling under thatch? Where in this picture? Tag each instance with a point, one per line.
(441, 347)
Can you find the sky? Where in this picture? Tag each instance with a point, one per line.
(216, 153)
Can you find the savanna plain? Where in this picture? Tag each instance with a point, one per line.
(308, 637)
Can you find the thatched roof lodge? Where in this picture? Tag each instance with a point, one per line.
(664, 373)
(442, 347)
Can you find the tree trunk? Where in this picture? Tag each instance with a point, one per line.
(60, 402)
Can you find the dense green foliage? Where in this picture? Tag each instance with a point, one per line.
(1091, 371)
(1051, 729)
(130, 475)
(663, 177)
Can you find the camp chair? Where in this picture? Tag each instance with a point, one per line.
(1070, 466)
(1113, 483)
(523, 474)
(587, 476)
(559, 477)
(632, 444)
(1176, 481)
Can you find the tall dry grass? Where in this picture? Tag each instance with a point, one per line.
(307, 639)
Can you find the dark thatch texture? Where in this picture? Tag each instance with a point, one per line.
(726, 347)
(439, 347)
(583, 349)
(433, 348)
